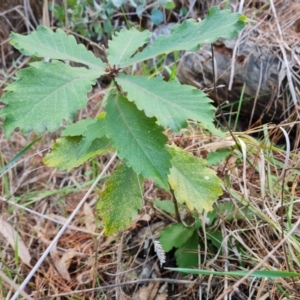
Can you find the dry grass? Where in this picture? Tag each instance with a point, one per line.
(261, 180)
(92, 266)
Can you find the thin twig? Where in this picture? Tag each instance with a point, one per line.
(176, 206)
(280, 43)
(167, 280)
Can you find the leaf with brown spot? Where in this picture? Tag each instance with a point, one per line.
(121, 199)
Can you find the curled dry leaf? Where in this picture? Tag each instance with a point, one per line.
(15, 241)
(41, 235)
(67, 258)
(62, 264)
(140, 217)
(163, 296)
(58, 218)
(148, 292)
(89, 219)
(85, 277)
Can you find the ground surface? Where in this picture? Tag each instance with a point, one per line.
(260, 211)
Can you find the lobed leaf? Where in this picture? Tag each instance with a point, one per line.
(187, 254)
(77, 128)
(125, 43)
(191, 34)
(175, 235)
(165, 205)
(138, 139)
(56, 45)
(44, 95)
(216, 237)
(192, 182)
(170, 102)
(65, 152)
(121, 199)
(216, 157)
(94, 131)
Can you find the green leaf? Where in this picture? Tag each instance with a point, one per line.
(125, 43)
(117, 3)
(192, 182)
(228, 212)
(77, 128)
(191, 34)
(175, 235)
(44, 95)
(259, 274)
(90, 130)
(56, 45)
(94, 131)
(187, 254)
(121, 199)
(165, 205)
(216, 157)
(215, 236)
(169, 4)
(139, 10)
(65, 153)
(138, 139)
(156, 16)
(170, 102)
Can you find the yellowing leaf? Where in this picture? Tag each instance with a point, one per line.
(120, 200)
(65, 153)
(192, 182)
(93, 132)
(90, 129)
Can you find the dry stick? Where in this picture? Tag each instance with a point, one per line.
(257, 93)
(234, 52)
(241, 6)
(288, 71)
(219, 104)
(234, 55)
(112, 286)
(175, 205)
(235, 286)
(62, 230)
